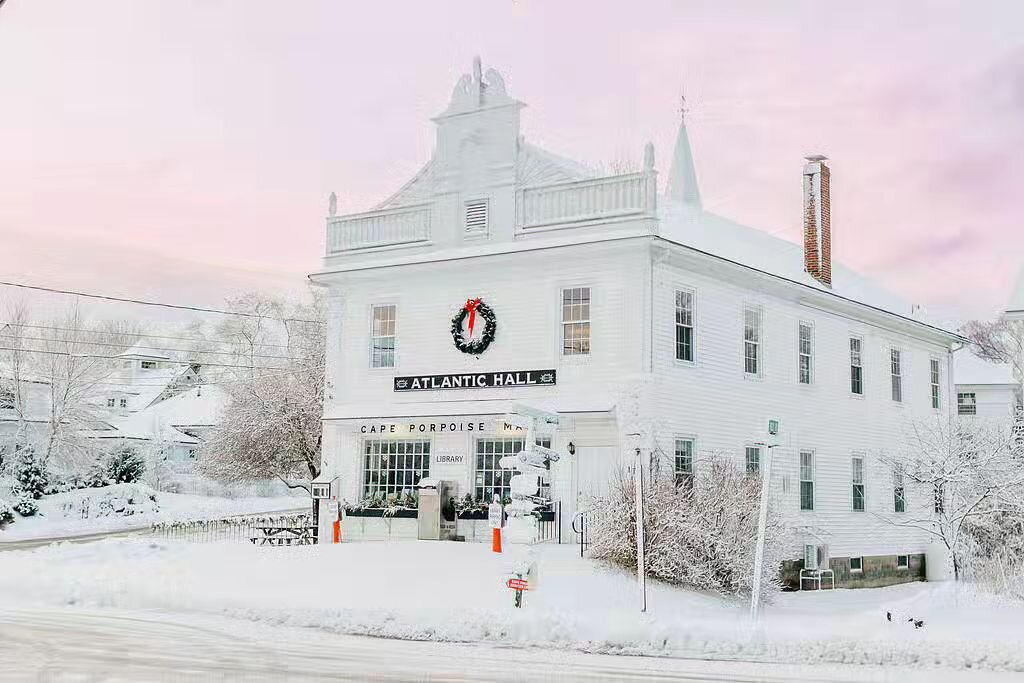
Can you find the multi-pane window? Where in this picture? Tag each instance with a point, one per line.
(490, 477)
(545, 483)
(896, 373)
(751, 340)
(806, 480)
(684, 326)
(149, 365)
(576, 321)
(383, 320)
(806, 351)
(753, 459)
(123, 403)
(111, 402)
(933, 367)
(684, 462)
(856, 366)
(857, 480)
(967, 403)
(394, 466)
(899, 491)
(856, 565)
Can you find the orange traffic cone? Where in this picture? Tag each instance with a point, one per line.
(337, 531)
(496, 544)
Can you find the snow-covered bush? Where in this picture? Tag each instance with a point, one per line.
(30, 473)
(97, 476)
(700, 535)
(125, 465)
(993, 549)
(6, 514)
(26, 506)
(115, 500)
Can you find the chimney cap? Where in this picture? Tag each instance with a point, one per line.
(816, 157)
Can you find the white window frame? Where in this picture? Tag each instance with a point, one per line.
(586, 320)
(857, 479)
(962, 405)
(860, 568)
(896, 374)
(801, 354)
(905, 565)
(747, 450)
(499, 478)
(682, 476)
(111, 402)
(372, 360)
(935, 381)
(123, 403)
(899, 491)
(859, 364)
(802, 452)
(679, 326)
(402, 461)
(757, 344)
(148, 365)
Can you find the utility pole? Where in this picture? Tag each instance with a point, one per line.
(638, 481)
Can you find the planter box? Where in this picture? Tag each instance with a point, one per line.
(379, 512)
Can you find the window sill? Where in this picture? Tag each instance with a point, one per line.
(685, 363)
(859, 397)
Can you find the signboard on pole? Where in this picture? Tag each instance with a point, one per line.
(518, 584)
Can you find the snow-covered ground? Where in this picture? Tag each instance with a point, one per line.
(61, 514)
(454, 592)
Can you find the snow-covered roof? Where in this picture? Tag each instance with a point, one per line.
(138, 351)
(199, 406)
(968, 368)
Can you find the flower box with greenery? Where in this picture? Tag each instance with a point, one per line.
(402, 505)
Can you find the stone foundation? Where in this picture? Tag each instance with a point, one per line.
(878, 570)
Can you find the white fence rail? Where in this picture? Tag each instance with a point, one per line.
(404, 225)
(619, 196)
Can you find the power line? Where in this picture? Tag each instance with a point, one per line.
(176, 362)
(151, 348)
(141, 302)
(138, 334)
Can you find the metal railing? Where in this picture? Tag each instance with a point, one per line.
(579, 527)
(551, 529)
(240, 529)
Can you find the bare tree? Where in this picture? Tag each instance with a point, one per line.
(1000, 341)
(271, 427)
(950, 472)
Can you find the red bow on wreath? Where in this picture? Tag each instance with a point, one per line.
(471, 306)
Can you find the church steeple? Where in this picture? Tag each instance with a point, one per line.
(682, 180)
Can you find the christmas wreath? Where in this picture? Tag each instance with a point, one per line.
(463, 340)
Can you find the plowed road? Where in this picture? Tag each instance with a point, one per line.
(72, 645)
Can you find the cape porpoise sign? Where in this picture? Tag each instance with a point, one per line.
(478, 380)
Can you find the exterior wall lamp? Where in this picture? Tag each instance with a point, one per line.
(571, 448)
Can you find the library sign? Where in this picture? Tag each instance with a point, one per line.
(479, 380)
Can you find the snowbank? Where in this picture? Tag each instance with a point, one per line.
(454, 592)
(131, 506)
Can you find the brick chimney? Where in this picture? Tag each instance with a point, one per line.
(817, 220)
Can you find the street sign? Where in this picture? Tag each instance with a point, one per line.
(518, 584)
(773, 427)
(545, 453)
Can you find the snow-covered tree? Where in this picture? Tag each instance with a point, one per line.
(700, 535)
(125, 465)
(271, 427)
(953, 472)
(1000, 341)
(30, 474)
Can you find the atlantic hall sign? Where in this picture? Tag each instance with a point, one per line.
(479, 380)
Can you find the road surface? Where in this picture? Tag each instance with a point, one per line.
(68, 644)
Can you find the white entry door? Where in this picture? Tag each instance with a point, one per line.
(596, 468)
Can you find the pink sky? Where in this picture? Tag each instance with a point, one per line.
(185, 149)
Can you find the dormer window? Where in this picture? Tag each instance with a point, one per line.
(149, 365)
(476, 216)
(123, 403)
(110, 402)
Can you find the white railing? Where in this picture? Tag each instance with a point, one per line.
(619, 196)
(388, 227)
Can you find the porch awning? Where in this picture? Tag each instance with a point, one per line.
(564, 405)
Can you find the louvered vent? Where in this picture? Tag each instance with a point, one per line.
(476, 215)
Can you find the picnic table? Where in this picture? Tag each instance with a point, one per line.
(282, 534)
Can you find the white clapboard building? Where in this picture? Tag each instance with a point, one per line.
(624, 309)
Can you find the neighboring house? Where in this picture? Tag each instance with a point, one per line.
(622, 310)
(24, 412)
(142, 378)
(985, 390)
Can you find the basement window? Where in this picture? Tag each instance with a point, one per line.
(476, 216)
(903, 562)
(856, 565)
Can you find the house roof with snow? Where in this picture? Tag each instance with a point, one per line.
(1015, 309)
(140, 352)
(969, 368)
(199, 406)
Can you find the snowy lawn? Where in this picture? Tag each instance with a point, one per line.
(454, 592)
(54, 520)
